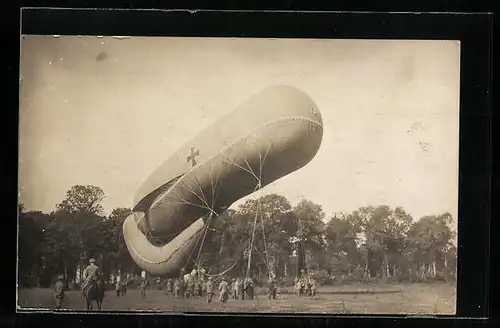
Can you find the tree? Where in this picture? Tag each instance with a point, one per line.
(30, 243)
(385, 231)
(429, 241)
(83, 200)
(263, 219)
(310, 231)
(341, 240)
(112, 243)
(78, 215)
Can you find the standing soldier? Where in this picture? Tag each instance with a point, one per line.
(209, 287)
(182, 282)
(142, 286)
(169, 287)
(241, 290)
(117, 287)
(248, 288)
(297, 287)
(177, 288)
(313, 287)
(236, 288)
(308, 286)
(59, 291)
(192, 287)
(223, 289)
(199, 287)
(272, 288)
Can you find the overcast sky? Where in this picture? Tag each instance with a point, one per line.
(108, 112)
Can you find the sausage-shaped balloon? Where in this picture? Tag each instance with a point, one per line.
(274, 133)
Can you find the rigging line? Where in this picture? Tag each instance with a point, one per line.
(266, 262)
(194, 193)
(202, 194)
(197, 263)
(251, 245)
(250, 168)
(211, 184)
(267, 152)
(184, 201)
(241, 167)
(222, 273)
(260, 204)
(192, 250)
(264, 239)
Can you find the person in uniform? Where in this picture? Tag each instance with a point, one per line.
(248, 288)
(177, 288)
(143, 286)
(192, 287)
(89, 275)
(241, 290)
(236, 288)
(313, 287)
(272, 288)
(117, 287)
(59, 290)
(199, 287)
(209, 287)
(223, 290)
(169, 286)
(308, 286)
(232, 292)
(297, 287)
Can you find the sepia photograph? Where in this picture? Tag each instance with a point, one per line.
(244, 175)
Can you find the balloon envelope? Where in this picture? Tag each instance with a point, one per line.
(271, 135)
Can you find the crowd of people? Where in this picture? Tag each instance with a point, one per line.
(196, 285)
(305, 285)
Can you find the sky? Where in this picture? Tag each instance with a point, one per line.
(108, 111)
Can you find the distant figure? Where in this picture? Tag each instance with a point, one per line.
(232, 292)
(143, 286)
(199, 288)
(223, 289)
(241, 289)
(272, 289)
(249, 288)
(177, 288)
(117, 287)
(59, 290)
(236, 289)
(313, 287)
(297, 287)
(308, 286)
(89, 276)
(169, 287)
(209, 287)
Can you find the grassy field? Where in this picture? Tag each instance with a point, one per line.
(436, 298)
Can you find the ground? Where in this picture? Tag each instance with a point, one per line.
(438, 298)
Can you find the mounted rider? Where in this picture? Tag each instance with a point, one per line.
(90, 275)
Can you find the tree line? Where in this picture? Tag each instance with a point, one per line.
(261, 235)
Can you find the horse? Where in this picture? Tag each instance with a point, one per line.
(94, 292)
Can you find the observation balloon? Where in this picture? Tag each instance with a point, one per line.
(274, 133)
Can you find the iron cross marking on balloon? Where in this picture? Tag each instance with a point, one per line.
(192, 158)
